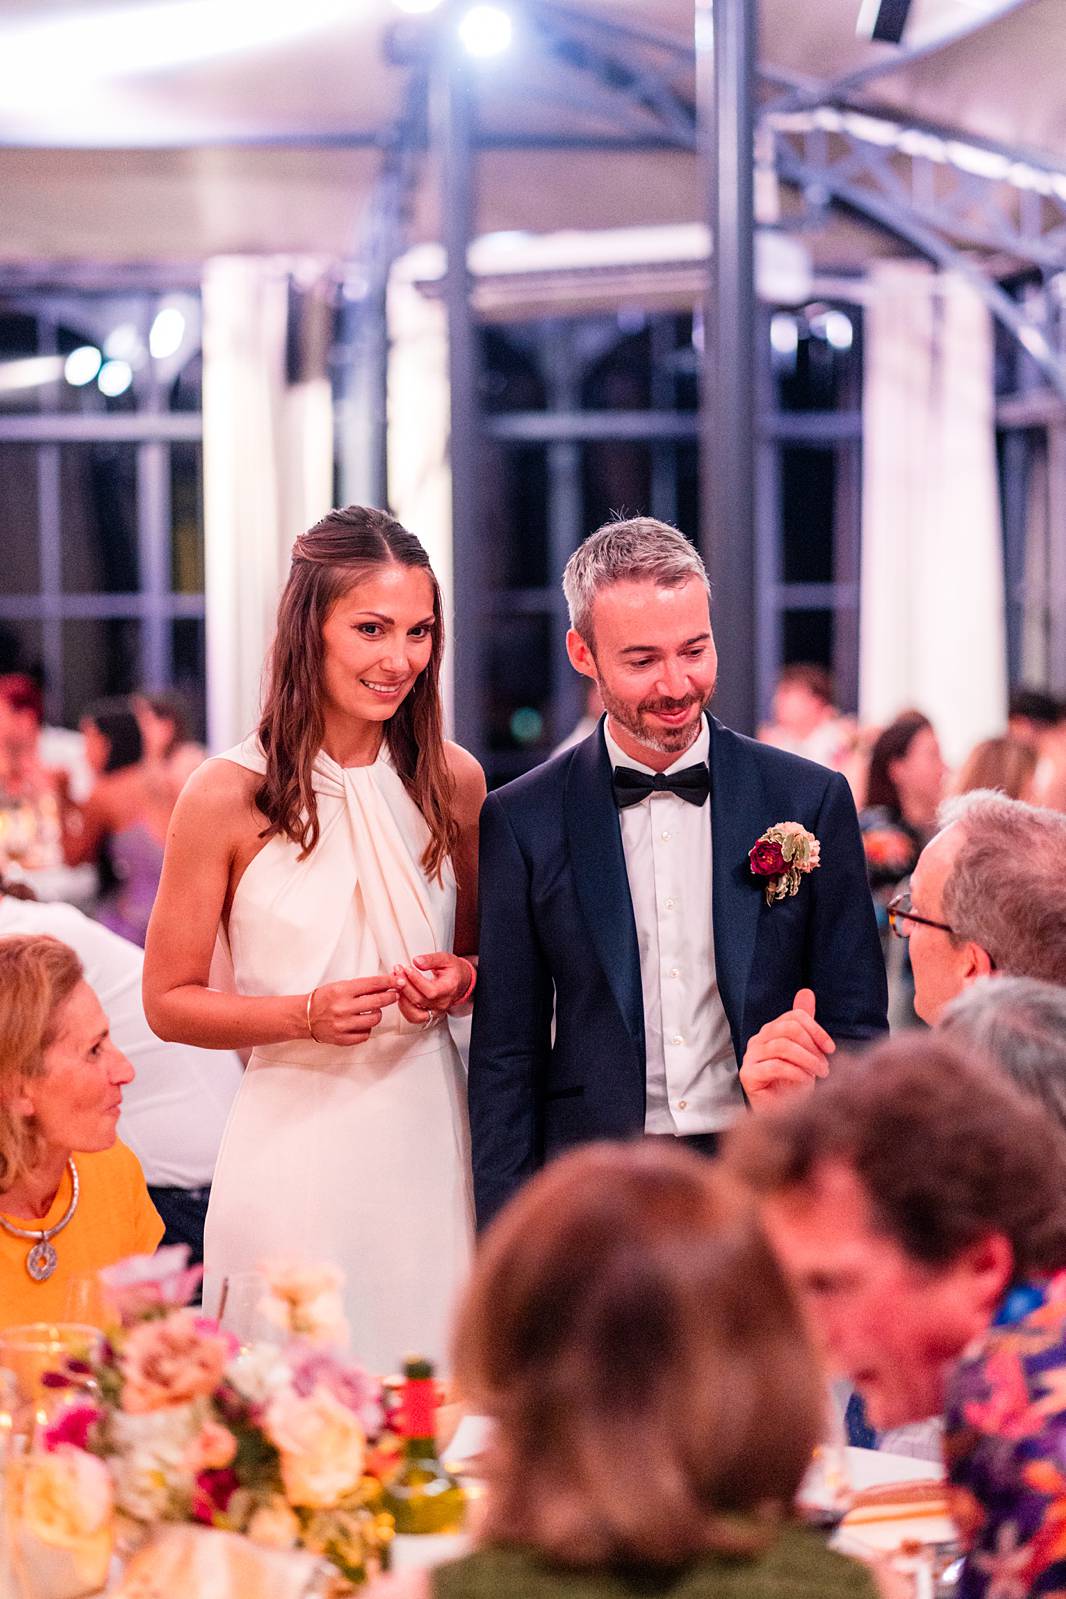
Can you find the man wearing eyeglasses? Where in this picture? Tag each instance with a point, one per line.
(988, 894)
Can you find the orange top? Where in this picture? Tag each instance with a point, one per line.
(114, 1218)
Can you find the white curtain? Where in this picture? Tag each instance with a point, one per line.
(420, 483)
(933, 627)
(268, 471)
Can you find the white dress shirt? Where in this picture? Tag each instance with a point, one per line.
(175, 1110)
(692, 1080)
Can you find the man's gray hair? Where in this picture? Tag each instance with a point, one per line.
(1019, 1025)
(638, 549)
(1007, 888)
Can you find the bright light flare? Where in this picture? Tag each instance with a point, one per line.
(167, 334)
(486, 31)
(82, 365)
(115, 378)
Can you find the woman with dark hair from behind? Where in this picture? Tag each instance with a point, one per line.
(123, 824)
(654, 1393)
(333, 854)
(904, 788)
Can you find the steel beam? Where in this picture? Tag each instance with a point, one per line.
(725, 56)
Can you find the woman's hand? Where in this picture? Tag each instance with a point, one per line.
(432, 985)
(347, 1013)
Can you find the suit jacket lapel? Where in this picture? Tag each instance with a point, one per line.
(599, 867)
(737, 809)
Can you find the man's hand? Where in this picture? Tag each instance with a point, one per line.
(786, 1056)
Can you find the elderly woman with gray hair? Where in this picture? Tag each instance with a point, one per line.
(1019, 1024)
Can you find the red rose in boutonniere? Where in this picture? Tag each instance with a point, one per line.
(781, 856)
(767, 859)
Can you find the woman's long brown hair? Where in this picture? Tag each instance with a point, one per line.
(327, 561)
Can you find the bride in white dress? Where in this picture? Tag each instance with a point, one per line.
(330, 860)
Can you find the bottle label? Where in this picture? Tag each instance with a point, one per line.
(419, 1407)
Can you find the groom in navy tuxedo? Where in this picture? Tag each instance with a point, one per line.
(628, 953)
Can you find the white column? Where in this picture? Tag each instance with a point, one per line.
(933, 626)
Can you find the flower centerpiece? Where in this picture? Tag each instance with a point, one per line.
(172, 1421)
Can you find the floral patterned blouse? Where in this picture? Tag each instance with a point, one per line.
(1005, 1449)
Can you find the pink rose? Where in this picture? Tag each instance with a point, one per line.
(171, 1360)
(72, 1426)
(213, 1449)
(143, 1283)
(766, 859)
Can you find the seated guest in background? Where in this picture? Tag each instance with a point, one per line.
(175, 1109)
(72, 1198)
(986, 896)
(1020, 1026)
(165, 729)
(1006, 764)
(123, 824)
(804, 719)
(1034, 716)
(904, 787)
(655, 1395)
(1040, 721)
(919, 1201)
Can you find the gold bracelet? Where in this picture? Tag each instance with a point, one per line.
(310, 1029)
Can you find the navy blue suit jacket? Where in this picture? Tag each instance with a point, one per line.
(557, 928)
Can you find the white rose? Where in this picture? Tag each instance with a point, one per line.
(322, 1447)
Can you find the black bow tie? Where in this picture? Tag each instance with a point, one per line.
(630, 786)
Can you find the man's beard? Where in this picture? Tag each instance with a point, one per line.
(666, 740)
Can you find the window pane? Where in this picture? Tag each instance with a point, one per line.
(808, 636)
(616, 478)
(98, 506)
(808, 489)
(187, 519)
(518, 661)
(189, 673)
(20, 571)
(100, 656)
(21, 646)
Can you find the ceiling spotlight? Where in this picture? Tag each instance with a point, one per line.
(168, 331)
(122, 343)
(838, 330)
(883, 20)
(115, 378)
(82, 365)
(486, 31)
(784, 333)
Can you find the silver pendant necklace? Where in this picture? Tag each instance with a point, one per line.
(41, 1260)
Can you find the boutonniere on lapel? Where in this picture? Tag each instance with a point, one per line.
(781, 856)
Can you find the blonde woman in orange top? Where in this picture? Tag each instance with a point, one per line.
(72, 1197)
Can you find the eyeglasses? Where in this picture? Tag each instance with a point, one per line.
(900, 914)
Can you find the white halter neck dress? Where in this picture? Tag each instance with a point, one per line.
(355, 1155)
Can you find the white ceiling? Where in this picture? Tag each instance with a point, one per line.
(156, 129)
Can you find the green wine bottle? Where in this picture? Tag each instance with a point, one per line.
(423, 1498)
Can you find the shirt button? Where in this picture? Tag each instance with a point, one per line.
(668, 904)
(675, 971)
(665, 837)
(682, 1104)
(677, 1039)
